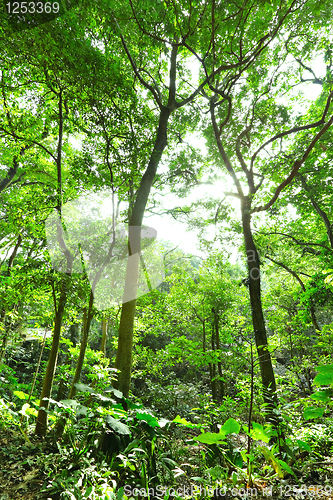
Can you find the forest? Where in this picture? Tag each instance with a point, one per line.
(166, 249)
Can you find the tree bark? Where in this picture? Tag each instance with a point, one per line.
(125, 340)
(219, 364)
(85, 333)
(265, 361)
(213, 387)
(213, 370)
(41, 425)
(87, 318)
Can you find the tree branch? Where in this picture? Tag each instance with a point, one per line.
(298, 242)
(319, 211)
(223, 154)
(297, 165)
(149, 87)
(295, 129)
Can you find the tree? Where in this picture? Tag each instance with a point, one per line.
(173, 34)
(243, 112)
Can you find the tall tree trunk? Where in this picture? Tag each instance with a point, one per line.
(265, 361)
(86, 322)
(41, 425)
(213, 387)
(62, 389)
(125, 340)
(213, 371)
(87, 318)
(219, 364)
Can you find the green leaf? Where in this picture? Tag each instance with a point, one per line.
(303, 446)
(88, 491)
(258, 433)
(118, 394)
(84, 388)
(325, 369)
(312, 412)
(210, 438)
(322, 396)
(21, 395)
(24, 409)
(120, 493)
(270, 457)
(163, 422)
(231, 426)
(182, 421)
(149, 418)
(286, 467)
(171, 463)
(323, 379)
(70, 403)
(118, 427)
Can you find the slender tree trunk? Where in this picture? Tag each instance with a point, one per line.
(125, 339)
(213, 373)
(3, 334)
(41, 425)
(86, 322)
(87, 318)
(265, 361)
(62, 386)
(213, 388)
(210, 365)
(219, 364)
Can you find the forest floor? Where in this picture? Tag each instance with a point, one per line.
(27, 462)
(21, 472)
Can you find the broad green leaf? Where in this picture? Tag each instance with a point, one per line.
(325, 369)
(322, 396)
(210, 438)
(21, 395)
(312, 412)
(84, 388)
(70, 403)
(231, 426)
(325, 375)
(149, 418)
(303, 446)
(118, 427)
(182, 421)
(258, 433)
(323, 379)
(24, 409)
(118, 394)
(163, 422)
